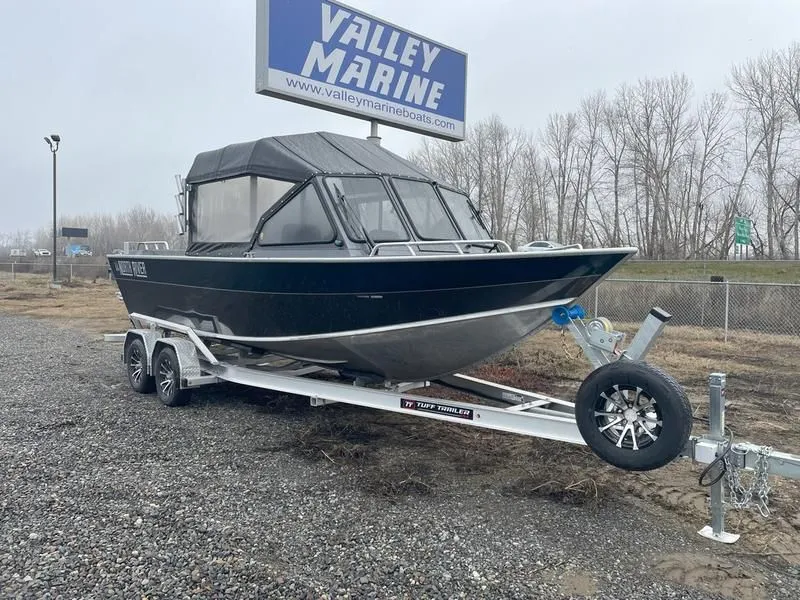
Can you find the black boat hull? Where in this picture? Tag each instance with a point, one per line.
(399, 318)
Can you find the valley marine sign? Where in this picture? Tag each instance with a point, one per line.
(332, 56)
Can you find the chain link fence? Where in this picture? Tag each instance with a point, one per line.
(728, 306)
(64, 270)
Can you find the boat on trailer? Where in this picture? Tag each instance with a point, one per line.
(339, 255)
(334, 251)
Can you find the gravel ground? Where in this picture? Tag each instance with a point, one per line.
(108, 494)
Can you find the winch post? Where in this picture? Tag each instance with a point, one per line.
(601, 346)
(716, 424)
(648, 333)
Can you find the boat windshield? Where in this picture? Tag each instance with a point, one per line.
(465, 215)
(426, 211)
(367, 210)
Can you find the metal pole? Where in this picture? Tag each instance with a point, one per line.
(716, 413)
(55, 237)
(596, 292)
(13, 275)
(716, 426)
(727, 307)
(373, 133)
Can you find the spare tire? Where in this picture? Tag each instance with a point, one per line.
(633, 415)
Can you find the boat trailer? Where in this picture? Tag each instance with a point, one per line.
(629, 413)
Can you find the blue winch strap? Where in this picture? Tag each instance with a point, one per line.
(562, 315)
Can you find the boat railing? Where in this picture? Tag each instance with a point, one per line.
(415, 247)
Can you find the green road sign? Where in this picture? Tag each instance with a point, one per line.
(742, 229)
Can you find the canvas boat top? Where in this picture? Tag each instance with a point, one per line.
(298, 157)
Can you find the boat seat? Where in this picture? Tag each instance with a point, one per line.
(294, 233)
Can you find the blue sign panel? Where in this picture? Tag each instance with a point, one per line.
(329, 55)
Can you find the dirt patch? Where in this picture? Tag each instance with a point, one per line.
(712, 575)
(577, 584)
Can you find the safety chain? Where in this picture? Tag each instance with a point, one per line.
(741, 496)
(564, 346)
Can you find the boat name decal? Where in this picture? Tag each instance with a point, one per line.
(132, 268)
(434, 407)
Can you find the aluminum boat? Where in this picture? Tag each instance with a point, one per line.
(337, 252)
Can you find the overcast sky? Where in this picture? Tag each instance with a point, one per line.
(136, 89)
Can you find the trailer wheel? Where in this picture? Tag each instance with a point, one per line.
(136, 366)
(168, 378)
(633, 415)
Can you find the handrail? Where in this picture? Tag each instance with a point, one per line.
(460, 245)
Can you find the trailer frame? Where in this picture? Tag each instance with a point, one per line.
(527, 413)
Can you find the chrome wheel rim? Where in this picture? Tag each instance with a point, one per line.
(135, 365)
(628, 417)
(166, 376)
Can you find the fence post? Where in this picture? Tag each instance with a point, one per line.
(13, 275)
(70, 271)
(727, 306)
(596, 291)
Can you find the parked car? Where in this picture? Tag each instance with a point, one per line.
(545, 245)
(18, 252)
(42, 252)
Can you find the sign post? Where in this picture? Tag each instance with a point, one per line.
(328, 55)
(742, 234)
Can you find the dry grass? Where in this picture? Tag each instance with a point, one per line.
(91, 305)
(394, 454)
(698, 270)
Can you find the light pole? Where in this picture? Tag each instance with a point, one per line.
(53, 142)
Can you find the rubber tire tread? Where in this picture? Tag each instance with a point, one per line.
(147, 384)
(676, 414)
(178, 397)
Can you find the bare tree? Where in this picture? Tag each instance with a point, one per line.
(790, 84)
(561, 147)
(613, 143)
(707, 159)
(504, 147)
(651, 167)
(533, 187)
(589, 122)
(757, 87)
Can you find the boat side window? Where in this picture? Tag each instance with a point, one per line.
(302, 220)
(365, 205)
(426, 211)
(228, 211)
(465, 215)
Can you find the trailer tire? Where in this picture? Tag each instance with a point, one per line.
(633, 415)
(168, 378)
(136, 367)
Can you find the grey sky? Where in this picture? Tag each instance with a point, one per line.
(137, 89)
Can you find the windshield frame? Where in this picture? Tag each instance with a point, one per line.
(472, 207)
(285, 200)
(447, 213)
(347, 226)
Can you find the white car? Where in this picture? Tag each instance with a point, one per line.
(545, 245)
(41, 252)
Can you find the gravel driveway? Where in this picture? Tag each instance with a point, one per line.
(108, 494)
